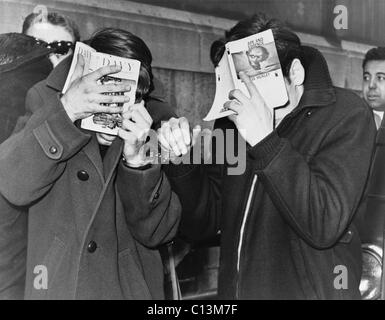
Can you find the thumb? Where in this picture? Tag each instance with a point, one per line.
(79, 68)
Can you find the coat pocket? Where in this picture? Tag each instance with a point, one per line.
(131, 277)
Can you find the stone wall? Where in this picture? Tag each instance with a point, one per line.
(180, 43)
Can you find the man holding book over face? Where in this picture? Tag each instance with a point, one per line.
(286, 223)
(97, 211)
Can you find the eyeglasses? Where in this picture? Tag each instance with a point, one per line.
(59, 47)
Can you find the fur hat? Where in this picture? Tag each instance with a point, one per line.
(23, 63)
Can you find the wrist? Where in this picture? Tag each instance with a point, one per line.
(135, 162)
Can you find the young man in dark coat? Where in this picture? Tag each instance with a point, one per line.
(23, 63)
(286, 222)
(95, 215)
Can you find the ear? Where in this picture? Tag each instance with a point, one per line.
(297, 73)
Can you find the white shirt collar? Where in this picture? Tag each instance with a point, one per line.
(379, 113)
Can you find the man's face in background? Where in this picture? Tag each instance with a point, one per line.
(373, 86)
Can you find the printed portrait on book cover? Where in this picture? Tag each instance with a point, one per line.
(257, 59)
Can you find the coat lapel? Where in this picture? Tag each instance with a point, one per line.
(112, 158)
(56, 81)
(93, 153)
(58, 76)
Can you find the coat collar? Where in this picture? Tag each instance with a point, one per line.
(58, 76)
(56, 81)
(112, 158)
(318, 87)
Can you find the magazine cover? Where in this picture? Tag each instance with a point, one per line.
(257, 56)
(84, 50)
(105, 122)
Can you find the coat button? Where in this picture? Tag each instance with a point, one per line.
(308, 114)
(52, 149)
(83, 175)
(350, 235)
(91, 247)
(156, 196)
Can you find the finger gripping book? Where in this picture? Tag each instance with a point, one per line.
(257, 57)
(105, 122)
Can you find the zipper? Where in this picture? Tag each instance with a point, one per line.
(245, 215)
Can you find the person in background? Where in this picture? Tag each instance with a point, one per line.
(97, 211)
(23, 63)
(373, 84)
(286, 223)
(54, 30)
(373, 219)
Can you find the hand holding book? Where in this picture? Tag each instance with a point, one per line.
(103, 79)
(253, 118)
(85, 96)
(257, 57)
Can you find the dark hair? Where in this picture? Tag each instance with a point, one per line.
(55, 19)
(374, 54)
(122, 43)
(287, 42)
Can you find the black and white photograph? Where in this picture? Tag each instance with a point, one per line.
(256, 60)
(212, 152)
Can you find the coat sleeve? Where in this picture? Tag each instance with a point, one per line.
(319, 196)
(33, 102)
(152, 210)
(32, 159)
(199, 190)
(198, 187)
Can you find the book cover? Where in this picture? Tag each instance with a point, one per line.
(106, 122)
(257, 56)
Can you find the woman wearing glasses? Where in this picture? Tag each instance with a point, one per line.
(55, 31)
